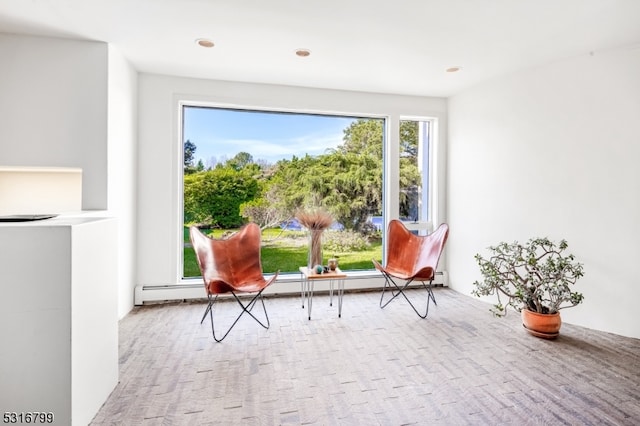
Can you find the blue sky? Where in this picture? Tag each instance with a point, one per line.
(220, 134)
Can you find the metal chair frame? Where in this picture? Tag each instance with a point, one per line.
(416, 259)
(400, 291)
(245, 309)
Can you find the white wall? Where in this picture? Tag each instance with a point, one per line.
(122, 170)
(73, 103)
(159, 220)
(53, 108)
(553, 151)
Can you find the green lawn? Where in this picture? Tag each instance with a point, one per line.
(288, 255)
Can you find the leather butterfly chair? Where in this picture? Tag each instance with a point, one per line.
(411, 258)
(231, 266)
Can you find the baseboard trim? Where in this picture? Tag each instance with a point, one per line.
(286, 284)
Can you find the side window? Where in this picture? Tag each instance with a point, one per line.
(415, 204)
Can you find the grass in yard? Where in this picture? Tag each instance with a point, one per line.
(287, 251)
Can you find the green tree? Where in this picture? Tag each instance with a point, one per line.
(354, 190)
(291, 183)
(359, 193)
(347, 181)
(263, 212)
(409, 139)
(269, 208)
(363, 136)
(356, 184)
(189, 152)
(240, 160)
(410, 178)
(214, 197)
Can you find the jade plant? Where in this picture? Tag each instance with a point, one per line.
(537, 276)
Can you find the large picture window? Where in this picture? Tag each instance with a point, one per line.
(242, 165)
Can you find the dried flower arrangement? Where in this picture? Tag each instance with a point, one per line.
(316, 221)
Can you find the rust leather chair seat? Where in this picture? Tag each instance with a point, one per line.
(231, 266)
(411, 258)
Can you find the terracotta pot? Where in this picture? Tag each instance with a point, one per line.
(546, 326)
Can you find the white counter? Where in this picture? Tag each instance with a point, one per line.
(58, 316)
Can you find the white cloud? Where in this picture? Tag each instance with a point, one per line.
(271, 151)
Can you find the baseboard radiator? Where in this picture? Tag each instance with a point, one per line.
(286, 285)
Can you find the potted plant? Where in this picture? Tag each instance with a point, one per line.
(535, 278)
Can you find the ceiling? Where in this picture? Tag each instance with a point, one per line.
(400, 47)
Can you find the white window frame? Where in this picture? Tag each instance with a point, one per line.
(391, 168)
(426, 224)
(391, 186)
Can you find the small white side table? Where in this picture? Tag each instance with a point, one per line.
(309, 277)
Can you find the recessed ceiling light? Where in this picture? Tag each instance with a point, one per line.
(204, 42)
(454, 69)
(303, 53)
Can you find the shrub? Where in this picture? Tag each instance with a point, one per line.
(344, 241)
